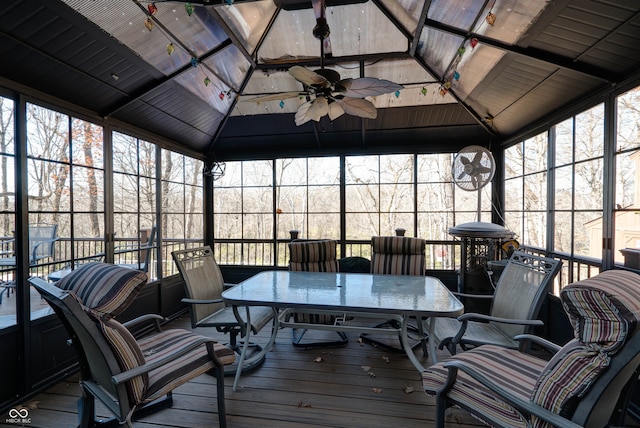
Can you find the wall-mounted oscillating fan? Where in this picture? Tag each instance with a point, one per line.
(473, 168)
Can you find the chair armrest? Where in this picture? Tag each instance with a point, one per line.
(464, 319)
(546, 344)
(36, 246)
(473, 296)
(132, 248)
(147, 367)
(471, 316)
(201, 302)
(522, 405)
(157, 319)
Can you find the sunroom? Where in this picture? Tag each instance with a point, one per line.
(132, 129)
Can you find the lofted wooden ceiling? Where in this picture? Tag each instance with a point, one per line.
(464, 81)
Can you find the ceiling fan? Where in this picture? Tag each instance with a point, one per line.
(325, 92)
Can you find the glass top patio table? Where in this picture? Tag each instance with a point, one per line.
(422, 296)
(405, 296)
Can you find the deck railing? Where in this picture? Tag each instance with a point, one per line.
(441, 255)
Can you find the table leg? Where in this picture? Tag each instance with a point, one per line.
(405, 344)
(245, 345)
(432, 340)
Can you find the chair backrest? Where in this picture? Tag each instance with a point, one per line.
(42, 238)
(592, 376)
(98, 362)
(146, 248)
(202, 279)
(313, 256)
(522, 288)
(398, 255)
(103, 287)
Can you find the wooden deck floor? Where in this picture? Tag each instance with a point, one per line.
(354, 386)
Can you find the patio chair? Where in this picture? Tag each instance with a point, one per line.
(314, 256)
(144, 250)
(520, 291)
(204, 285)
(587, 383)
(42, 239)
(130, 377)
(397, 255)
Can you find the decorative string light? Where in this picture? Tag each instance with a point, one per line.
(149, 23)
(491, 19)
(473, 42)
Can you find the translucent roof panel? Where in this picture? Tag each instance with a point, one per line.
(199, 81)
(472, 68)
(513, 19)
(125, 21)
(248, 21)
(461, 14)
(412, 95)
(355, 30)
(406, 12)
(402, 71)
(455, 60)
(438, 49)
(230, 65)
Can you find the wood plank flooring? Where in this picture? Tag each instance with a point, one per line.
(355, 386)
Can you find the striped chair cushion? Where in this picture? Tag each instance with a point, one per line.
(512, 370)
(397, 255)
(128, 353)
(313, 256)
(103, 287)
(604, 311)
(167, 377)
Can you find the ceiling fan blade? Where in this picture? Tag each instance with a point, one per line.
(358, 107)
(335, 111)
(308, 77)
(461, 175)
(482, 170)
(366, 87)
(280, 96)
(301, 115)
(312, 110)
(319, 107)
